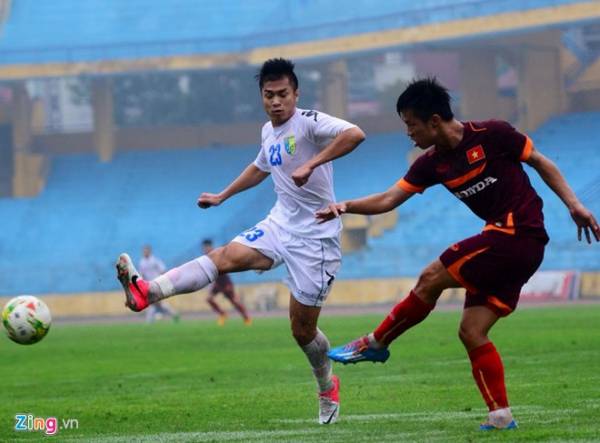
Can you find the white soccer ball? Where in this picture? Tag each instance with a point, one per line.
(26, 319)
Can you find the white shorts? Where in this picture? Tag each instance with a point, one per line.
(312, 263)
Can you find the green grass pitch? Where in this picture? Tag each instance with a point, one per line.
(196, 382)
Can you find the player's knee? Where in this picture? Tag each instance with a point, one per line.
(303, 333)
(471, 336)
(223, 258)
(427, 287)
(432, 281)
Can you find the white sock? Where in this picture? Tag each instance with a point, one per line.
(189, 277)
(316, 351)
(374, 343)
(500, 418)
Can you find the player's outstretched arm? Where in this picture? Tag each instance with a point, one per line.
(370, 205)
(550, 173)
(250, 177)
(344, 143)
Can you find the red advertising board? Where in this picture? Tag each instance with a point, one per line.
(551, 286)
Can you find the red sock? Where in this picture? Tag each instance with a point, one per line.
(489, 375)
(410, 311)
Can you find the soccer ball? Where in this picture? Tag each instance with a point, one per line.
(26, 319)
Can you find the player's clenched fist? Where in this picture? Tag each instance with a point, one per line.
(301, 175)
(330, 212)
(207, 200)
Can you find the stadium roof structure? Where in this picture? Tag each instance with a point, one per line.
(66, 37)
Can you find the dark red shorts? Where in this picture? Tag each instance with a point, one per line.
(493, 267)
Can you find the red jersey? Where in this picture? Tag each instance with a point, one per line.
(484, 171)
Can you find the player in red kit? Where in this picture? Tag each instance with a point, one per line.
(480, 163)
(223, 284)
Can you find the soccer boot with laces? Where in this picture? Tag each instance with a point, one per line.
(329, 403)
(357, 351)
(136, 289)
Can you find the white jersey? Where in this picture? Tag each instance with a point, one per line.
(151, 267)
(285, 148)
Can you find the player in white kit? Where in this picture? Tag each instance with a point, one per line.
(297, 148)
(150, 267)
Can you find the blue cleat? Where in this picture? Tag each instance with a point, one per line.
(490, 427)
(358, 351)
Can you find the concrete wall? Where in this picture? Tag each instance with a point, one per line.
(478, 84)
(183, 136)
(271, 296)
(257, 297)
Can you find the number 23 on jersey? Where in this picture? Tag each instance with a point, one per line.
(275, 155)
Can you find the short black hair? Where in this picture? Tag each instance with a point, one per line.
(425, 97)
(275, 69)
(207, 242)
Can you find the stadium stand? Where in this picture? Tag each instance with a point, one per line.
(152, 194)
(65, 239)
(105, 29)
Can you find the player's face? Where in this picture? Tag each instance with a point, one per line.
(279, 100)
(147, 252)
(423, 134)
(206, 248)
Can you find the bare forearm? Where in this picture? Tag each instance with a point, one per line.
(555, 181)
(377, 203)
(370, 205)
(583, 218)
(343, 144)
(250, 177)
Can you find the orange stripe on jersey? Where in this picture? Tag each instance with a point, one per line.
(454, 269)
(408, 187)
(474, 129)
(508, 229)
(455, 182)
(502, 307)
(527, 149)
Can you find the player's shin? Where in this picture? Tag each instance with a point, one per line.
(316, 352)
(488, 372)
(189, 277)
(406, 314)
